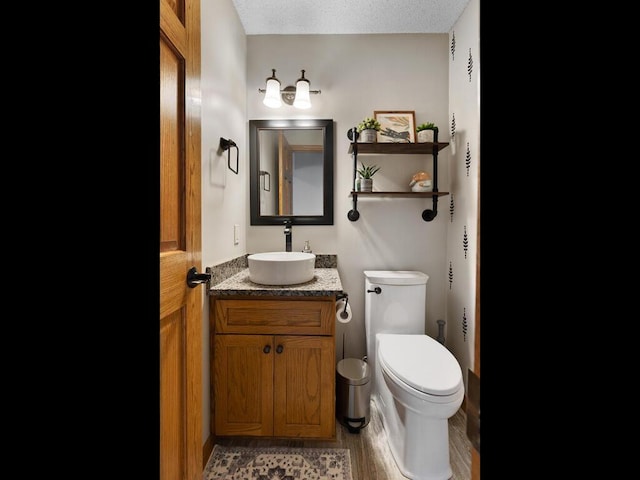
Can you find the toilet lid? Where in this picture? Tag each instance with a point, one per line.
(421, 362)
(396, 277)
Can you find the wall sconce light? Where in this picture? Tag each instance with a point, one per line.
(297, 96)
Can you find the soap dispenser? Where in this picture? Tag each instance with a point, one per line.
(307, 247)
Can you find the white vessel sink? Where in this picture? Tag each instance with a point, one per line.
(281, 268)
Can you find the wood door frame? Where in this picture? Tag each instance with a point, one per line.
(285, 176)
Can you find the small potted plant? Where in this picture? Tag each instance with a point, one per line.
(367, 129)
(425, 132)
(366, 177)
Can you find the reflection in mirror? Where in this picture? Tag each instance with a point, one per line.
(291, 171)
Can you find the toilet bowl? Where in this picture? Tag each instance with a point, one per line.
(418, 382)
(420, 389)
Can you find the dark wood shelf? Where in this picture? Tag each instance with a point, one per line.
(399, 194)
(399, 148)
(427, 148)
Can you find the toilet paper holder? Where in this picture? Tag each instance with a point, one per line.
(339, 297)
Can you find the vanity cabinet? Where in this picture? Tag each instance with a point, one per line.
(429, 148)
(273, 367)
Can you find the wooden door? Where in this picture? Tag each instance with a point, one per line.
(243, 384)
(285, 176)
(304, 387)
(180, 349)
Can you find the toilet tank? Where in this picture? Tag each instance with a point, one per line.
(400, 307)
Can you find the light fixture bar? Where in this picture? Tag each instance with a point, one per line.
(314, 92)
(297, 96)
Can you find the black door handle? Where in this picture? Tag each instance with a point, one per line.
(194, 278)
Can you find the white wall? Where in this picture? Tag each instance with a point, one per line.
(357, 75)
(224, 194)
(461, 207)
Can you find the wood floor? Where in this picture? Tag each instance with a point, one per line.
(371, 458)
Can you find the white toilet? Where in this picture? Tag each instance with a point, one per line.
(417, 382)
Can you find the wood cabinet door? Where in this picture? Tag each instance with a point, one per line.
(304, 387)
(243, 384)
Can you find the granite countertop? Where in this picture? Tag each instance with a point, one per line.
(326, 281)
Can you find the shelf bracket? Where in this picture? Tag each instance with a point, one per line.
(353, 214)
(352, 134)
(428, 215)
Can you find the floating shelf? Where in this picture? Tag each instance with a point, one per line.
(398, 194)
(427, 148)
(399, 148)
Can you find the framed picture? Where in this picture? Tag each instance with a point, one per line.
(395, 126)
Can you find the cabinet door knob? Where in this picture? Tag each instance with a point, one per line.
(266, 349)
(279, 348)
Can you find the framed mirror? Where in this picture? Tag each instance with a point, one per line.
(291, 171)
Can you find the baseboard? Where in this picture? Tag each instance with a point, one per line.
(207, 448)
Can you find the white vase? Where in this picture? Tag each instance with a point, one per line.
(368, 136)
(425, 136)
(366, 184)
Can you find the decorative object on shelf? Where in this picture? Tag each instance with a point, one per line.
(425, 132)
(396, 126)
(366, 176)
(297, 96)
(368, 128)
(421, 182)
(366, 184)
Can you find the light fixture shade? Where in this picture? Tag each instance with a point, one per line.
(272, 95)
(302, 99)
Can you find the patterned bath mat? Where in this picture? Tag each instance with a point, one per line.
(278, 463)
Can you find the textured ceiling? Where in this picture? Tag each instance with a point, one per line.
(299, 17)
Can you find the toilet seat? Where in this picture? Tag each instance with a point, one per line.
(420, 362)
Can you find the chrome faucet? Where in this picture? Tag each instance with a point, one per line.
(287, 235)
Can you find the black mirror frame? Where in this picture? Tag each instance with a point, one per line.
(327, 127)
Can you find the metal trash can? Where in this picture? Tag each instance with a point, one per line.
(353, 393)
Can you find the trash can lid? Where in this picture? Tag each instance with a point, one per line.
(353, 370)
